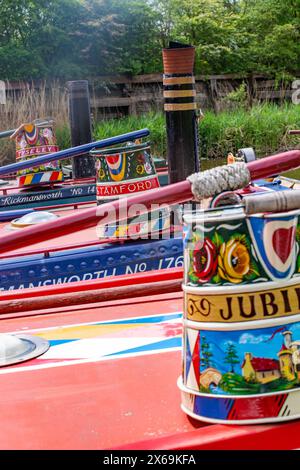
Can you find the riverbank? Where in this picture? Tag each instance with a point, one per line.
(264, 127)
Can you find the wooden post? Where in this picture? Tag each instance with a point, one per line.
(180, 108)
(80, 124)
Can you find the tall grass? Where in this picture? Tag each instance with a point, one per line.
(154, 121)
(264, 127)
(28, 104)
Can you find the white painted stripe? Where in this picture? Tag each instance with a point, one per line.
(46, 177)
(11, 370)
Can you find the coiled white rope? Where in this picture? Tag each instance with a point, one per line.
(222, 178)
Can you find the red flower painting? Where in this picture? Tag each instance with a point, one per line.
(205, 260)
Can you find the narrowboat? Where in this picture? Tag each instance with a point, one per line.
(170, 359)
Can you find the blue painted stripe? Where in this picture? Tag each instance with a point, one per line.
(188, 357)
(89, 263)
(72, 152)
(169, 343)
(14, 214)
(67, 195)
(56, 342)
(210, 407)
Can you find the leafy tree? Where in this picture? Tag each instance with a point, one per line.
(231, 356)
(83, 38)
(69, 38)
(206, 354)
(272, 28)
(139, 45)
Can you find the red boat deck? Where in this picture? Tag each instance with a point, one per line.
(81, 238)
(109, 382)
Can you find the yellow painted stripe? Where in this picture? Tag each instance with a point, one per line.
(180, 106)
(178, 80)
(179, 93)
(87, 331)
(28, 179)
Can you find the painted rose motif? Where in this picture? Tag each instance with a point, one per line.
(234, 261)
(141, 158)
(205, 260)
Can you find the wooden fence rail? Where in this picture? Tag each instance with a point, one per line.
(116, 95)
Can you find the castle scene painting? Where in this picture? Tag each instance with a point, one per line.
(243, 362)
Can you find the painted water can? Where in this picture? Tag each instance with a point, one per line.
(241, 341)
(122, 172)
(33, 140)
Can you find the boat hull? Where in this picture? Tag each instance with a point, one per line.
(122, 398)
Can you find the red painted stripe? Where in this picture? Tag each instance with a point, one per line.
(54, 175)
(22, 180)
(196, 359)
(104, 283)
(257, 408)
(214, 437)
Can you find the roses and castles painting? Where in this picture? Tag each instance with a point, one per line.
(243, 362)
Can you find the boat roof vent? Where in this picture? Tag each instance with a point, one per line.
(33, 218)
(19, 348)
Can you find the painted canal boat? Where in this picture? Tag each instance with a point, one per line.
(94, 364)
(85, 257)
(115, 347)
(48, 182)
(118, 170)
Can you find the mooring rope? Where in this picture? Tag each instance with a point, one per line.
(222, 178)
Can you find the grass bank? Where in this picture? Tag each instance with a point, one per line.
(264, 127)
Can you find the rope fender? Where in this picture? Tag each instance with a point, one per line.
(222, 178)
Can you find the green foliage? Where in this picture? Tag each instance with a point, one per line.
(155, 122)
(237, 384)
(231, 356)
(80, 38)
(234, 383)
(217, 240)
(206, 354)
(238, 98)
(264, 127)
(253, 272)
(63, 136)
(193, 278)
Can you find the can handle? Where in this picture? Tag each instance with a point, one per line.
(281, 201)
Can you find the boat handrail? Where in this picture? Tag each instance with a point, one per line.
(73, 151)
